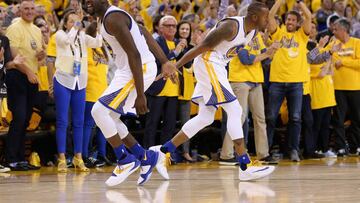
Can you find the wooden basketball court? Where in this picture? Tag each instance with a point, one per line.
(326, 180)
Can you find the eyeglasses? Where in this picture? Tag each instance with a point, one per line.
(169, 25)
(40, 25)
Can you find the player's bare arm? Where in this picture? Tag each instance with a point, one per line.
(226, 30)
(117, 24)
(168, 68)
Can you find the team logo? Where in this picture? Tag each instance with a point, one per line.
(232, 52)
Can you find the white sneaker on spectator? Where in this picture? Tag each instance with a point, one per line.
(255, 172)
(330, 154)
(4, 169)
(358, 151)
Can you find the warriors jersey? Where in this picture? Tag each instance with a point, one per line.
(119, 54)
(226, 50)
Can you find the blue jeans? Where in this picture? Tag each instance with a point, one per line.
(293, 93)
(65, 98)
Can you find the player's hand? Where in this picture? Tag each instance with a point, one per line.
(168, 70)
(141, 105)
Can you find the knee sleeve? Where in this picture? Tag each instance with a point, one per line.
(204, 118)
(103, 120)
(234, 124)
(121, 128)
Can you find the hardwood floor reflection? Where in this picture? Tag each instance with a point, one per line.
(327, 180)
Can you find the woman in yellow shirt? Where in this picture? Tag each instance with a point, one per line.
(322, 94)
(96, 84)
(186, 84)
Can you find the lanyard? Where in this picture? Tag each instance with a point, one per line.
(72, 49)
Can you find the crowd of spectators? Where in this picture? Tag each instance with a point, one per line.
(310, 85)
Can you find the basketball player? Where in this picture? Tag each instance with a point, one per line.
(213, 89)
(125, 94)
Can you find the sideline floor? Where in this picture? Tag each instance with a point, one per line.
(326, 180)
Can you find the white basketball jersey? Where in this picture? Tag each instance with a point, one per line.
(223, 52)
(119, 54)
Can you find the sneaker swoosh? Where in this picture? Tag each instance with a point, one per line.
(119, 170)
(263, 169)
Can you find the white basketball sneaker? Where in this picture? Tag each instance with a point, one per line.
(255, 172)
(124, 168)
(161, 162)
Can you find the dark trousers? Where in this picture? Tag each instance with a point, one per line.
(307, 125)
(21, 96)
(293, 93)
(347, 101)
(321, 130)
(160, 107)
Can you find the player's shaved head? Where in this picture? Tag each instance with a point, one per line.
(258, 13)
(256, 8)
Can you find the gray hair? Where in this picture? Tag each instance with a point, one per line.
(344, 23)
(165, 18)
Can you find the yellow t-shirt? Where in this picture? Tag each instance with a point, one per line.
(3, 4)
(46, 3)
(170, 89)
(148, 21)
(27, 39)
(315, 5)
(290, 63)
(322, 89)
(145, 3)
(51, 48)
(43, 78)
(189, 84)
(347, 77)
(306, 88)
(97, 71)
(239, 72)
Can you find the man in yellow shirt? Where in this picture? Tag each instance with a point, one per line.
(346, 85)
(163, 94)
(22, 82)
(289, 70)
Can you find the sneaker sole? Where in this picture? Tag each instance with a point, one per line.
(270, 170)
